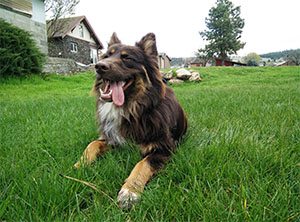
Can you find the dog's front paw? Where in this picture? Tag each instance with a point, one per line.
(127, 198)
(77, 165)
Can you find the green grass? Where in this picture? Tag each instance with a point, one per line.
(240, 160)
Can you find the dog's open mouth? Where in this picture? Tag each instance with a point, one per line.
(114, 91)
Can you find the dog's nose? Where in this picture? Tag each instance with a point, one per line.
(102, 67)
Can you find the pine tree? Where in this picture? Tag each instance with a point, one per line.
(224, 29)
(18, 52)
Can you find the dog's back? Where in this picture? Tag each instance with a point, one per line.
(161, 125)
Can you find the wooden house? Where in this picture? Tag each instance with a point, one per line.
(218, 62)
(197, 62)
(286, 63)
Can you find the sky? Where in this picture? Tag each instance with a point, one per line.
(270, 25)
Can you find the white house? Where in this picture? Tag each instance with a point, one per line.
(28, 15)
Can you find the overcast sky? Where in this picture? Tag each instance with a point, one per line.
(270, 25)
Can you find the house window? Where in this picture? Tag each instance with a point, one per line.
(81, 31)
(93, 56)
(73, 47)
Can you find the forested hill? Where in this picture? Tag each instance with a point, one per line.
(181, 61)
(278, 55)
(272, 55)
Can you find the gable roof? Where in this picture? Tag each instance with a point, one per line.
(68, 24)
(163, 54)
(196, 61)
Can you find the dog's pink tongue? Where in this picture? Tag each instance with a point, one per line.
(117, 93)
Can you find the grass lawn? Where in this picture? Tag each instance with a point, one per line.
(240, 160)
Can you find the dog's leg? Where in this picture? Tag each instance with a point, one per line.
(92, 151)
(135, 183)
(142, 172)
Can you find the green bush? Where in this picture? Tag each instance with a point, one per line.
(252, 63)
(18, 53)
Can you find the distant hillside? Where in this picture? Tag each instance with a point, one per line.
(278, 55)
(176, 61)
(181, 61)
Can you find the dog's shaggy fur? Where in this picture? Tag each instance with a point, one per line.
(135, 105)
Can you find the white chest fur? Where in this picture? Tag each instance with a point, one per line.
(110, 117)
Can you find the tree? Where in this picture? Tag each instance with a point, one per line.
(278, 55)
(252, 63)
(252, 56)
(19, 55)
(293, 58)
(205, 55)
(57, 9)
(224, 29)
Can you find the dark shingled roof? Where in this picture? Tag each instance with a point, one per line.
(68, 24)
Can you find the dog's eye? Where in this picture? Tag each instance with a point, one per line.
(126, 57)
(112, 51)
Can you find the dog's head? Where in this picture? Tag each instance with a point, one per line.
(127, 72)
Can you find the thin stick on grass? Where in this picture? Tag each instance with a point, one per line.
(93, 186)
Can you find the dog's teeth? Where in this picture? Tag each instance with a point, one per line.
(123, 83)
(105, 94)
(106, 85)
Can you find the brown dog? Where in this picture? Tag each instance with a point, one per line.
(135, 105)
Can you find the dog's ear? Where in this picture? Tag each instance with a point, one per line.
(148, 44)
(114, 40)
